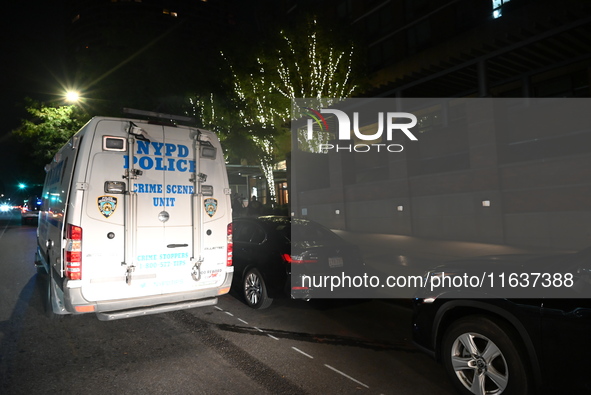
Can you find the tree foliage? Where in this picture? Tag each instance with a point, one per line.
(49, 128)
(305, 62)
(311, 65)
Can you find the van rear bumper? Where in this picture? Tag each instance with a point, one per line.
(161, 308)
(126, 308)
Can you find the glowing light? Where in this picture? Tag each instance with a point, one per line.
(72, 96)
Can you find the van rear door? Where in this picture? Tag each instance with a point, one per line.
(147, 229)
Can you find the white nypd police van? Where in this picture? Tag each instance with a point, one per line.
(136, 219)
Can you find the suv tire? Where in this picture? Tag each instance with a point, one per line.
(255, 290)
(482, 356)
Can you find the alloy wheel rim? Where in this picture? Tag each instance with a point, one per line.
(479, 364)
(253, 288)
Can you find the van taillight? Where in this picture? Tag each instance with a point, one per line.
(230, 246)
(73, 252)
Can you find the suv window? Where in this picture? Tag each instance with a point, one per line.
(248, 233)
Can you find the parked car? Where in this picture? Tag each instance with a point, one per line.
(30, 210)
(265, 248)
(511, 345)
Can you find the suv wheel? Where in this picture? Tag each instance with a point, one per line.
(481, 357)
(255, 291)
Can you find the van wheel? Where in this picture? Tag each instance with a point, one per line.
(482, 356)
(255, 290)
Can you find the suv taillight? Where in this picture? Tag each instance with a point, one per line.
(230, 247)
(73, 252)
(297, 259)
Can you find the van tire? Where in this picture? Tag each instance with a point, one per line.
(254, 290)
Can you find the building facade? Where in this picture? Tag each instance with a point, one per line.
(471, 175)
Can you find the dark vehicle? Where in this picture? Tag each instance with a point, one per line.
(30, 210)
(265, 248)
(512, 345)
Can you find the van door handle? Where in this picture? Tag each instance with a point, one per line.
(177, 245)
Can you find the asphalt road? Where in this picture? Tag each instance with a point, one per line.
(293, 347)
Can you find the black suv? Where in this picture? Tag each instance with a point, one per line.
(505, 345)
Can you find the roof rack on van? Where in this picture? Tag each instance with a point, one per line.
(169, 117)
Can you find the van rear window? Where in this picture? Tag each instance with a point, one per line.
(111, 143)
(208, 151)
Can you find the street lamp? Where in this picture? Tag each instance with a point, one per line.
(72, 96)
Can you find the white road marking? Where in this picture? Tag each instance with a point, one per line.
(346, 375)
(298, 350)
(303, 353)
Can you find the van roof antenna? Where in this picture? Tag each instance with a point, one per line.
(158, 115)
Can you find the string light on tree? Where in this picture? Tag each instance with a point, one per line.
(306, 66)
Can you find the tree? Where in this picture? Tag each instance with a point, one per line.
(49, 128)
(306, 63)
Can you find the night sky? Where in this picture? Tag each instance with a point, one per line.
(31, 66)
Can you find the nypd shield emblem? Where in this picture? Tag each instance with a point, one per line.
(211, 206)
(107, 205)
